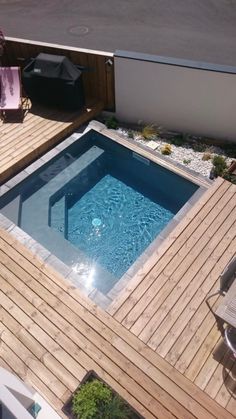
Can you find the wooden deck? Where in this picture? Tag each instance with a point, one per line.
(41, 129)
(50, 336)
(163, 305)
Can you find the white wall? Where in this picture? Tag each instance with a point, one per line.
(177, 97)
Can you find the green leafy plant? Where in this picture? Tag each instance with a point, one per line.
(230, 177)
(178, 140)
(111, 123)
(230, 149)
(219, 165)
(116, 409)
(186, 161)
(149, 132)
(199, 147)
(166, 149)
(130, 133)
(96, 400)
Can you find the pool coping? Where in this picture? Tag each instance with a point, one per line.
(93, 293)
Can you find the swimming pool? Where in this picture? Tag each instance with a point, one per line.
(97, 206)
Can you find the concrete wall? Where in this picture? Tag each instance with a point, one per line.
(179, 95)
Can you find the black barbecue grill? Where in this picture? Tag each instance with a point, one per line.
(54, 80)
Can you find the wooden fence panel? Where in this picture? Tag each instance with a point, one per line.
(98, 78)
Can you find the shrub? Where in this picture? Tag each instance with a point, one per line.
(92, 398)
(230, 177)
(230, 149)
(199, 147)
(111, 123)
(219, 164)
(96, 400)
(206, 156)
(178, 141)
(186, 161)
(130, 133)
(149, 132)
(166, 149)
(116, 409)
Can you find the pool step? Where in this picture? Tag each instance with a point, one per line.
(57, 215)
(52, 191)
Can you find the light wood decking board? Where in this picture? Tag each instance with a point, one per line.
(21, 143)
(165, 304)
(49, 309)
(137, 288)
(188, 284)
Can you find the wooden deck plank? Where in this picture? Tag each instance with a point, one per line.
(193, 357)
(83, 343)
(145, 290)
(202, 320)
(215, 386)
(20, 369)
(35, 127)
(207, 363)
(189, 284)
(143, 350)
(164, 303)
(115, 308)
(50, 362)
(231, 406)
(227, 390)
(32, 362)
(36, 333)
(132, 348)
(34, 138)
(183, 259)
(21, 143)
(35, 131)
(165, 335)
(30, 121)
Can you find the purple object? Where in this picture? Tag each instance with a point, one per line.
(10, 88)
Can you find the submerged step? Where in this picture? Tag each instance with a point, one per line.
(57, 215)
(55, 186)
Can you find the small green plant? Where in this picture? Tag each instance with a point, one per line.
(166, 149)
(149, 131)
(178, 140)
(130, 134)
(219, 165)
(96, 400)
(111, 123)
(229, 149)
(199, 147)
(206, 156)
(230, 177)
(186, 161)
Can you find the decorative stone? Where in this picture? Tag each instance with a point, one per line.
(152, 144)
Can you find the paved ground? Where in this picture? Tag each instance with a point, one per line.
(194, 29)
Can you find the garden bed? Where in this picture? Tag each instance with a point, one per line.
(195, 152)
(118, 407)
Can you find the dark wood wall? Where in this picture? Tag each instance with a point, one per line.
(98, 80)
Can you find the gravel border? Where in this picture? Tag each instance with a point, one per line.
(183, 154)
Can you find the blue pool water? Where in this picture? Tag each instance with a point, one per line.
(97, 206)
(113, 224)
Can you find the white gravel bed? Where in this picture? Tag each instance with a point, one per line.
(184, 155)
